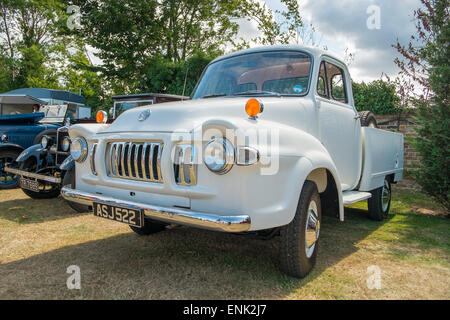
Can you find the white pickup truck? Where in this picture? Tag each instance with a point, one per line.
(269, 141)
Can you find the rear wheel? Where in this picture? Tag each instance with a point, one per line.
(380, 202)
(149, 227)
(300, 238)
(69, 181)
(8, 180)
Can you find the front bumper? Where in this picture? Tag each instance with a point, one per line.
(166, 214)
(27, 174)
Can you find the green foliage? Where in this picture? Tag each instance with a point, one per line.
(35, 53)
(378, 96)
(164, 76)
(130, 36)
(426, 62)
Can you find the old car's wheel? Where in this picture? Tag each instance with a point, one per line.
(69, 180)
(46, 190)
(300, 238)
(8, 180)
(150, 227)
(380, 202)
(368, 119)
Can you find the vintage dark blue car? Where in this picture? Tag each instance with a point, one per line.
(47, 165)
(21, 129)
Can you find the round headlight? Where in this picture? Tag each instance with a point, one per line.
(218, 155)
(45, 142)
(4, 138)
(65, 144)
(79, 149)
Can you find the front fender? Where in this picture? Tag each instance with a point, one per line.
(11, 146)
(41, 155)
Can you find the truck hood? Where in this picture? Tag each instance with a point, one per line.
(184, 116)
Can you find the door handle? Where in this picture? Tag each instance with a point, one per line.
(357, 117)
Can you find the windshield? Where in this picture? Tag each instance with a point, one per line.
(262, 73)
(54, 113)
(121, 107)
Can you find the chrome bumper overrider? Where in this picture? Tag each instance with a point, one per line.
(166, 214)
(33, 175)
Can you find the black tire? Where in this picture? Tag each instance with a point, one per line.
(150, 227)
(49, 132)
(53, 192)
(368, 119)
(380, 202)
(296, 260)
(8, 181)
(69, 180)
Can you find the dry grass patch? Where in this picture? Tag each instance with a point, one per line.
(40, 239)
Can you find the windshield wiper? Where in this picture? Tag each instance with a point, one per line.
(257, 92)
(214, 95)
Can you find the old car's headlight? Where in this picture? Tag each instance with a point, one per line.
(79, 149)
(218, 155)
(65, 144)
(46, 142)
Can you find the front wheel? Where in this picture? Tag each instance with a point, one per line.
(300, 238)
(8, 180)
(380, 202)
(46, 190)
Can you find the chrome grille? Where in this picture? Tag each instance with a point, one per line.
(185, 167)
(135, 160)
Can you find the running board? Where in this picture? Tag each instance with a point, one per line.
(350, 197)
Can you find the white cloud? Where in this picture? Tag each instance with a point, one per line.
(343, 24)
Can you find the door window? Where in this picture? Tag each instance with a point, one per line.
(321, 82)
(336, 82)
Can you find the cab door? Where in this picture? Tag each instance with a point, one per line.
(339, 124)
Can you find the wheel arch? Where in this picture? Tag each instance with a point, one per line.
(11, 146)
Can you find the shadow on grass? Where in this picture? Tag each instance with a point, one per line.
(35, 210)
(182, 263)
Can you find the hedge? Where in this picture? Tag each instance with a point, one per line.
(378, 96)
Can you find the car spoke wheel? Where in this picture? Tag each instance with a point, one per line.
(8, 180)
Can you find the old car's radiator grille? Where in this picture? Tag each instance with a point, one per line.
(135, 160)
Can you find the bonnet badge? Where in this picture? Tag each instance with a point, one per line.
(144, 115)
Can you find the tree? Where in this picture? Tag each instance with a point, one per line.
(425, 61)
(129, 35)
(29, 40)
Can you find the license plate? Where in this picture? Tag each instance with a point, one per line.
(126, 215)
(32, 185)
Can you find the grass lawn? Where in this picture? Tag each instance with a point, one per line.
(39, 239)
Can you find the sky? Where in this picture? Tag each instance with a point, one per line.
(342, 24)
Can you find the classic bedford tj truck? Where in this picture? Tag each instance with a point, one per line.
(269, 141)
